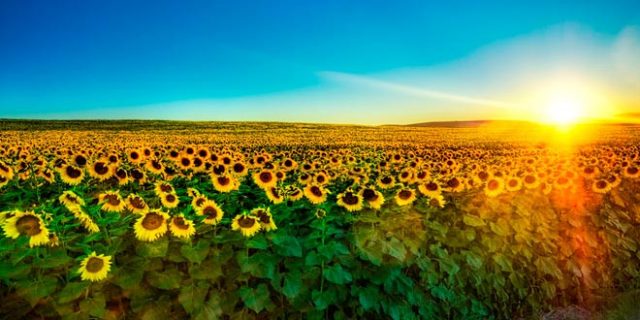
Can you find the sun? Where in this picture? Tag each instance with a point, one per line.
(564, 110)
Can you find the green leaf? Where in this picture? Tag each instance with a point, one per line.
(94, 306)
(195, 253)
(167, 279)
(292, 284)
(396, 249)
(255, 299)
(72, 291)
(33, 291)
(55, 258)
(502, 261)
(155, 249)
(548, 266)
(472, 220)
(192, 297)
(9, 271)
(323, 300)
(473, 259)
(258, 242)
(337, 274)
(287, 246)
(369, 298)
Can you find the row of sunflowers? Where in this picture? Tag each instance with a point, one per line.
(191, 213)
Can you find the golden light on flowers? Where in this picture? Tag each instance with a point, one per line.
(95, 267)
(151, 226)
(181, 227)
(27, 224)
(493, 187)
(248, 225)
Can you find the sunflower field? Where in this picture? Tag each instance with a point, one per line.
(172, 220)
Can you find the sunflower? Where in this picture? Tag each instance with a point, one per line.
(350, 201)
(6, 171)
(79, 160)
(405, 196)
(315, 194)
(385, 182)
(211, 211)
(373, 197)
(53, 240)
(274, 195)
(601, 186)
(95, 267)
(320, 213)
(136, 204)
(304, 178)
(151, 226)
(163, 187)
(513, 184)
(122, 175)
(289, 164)
(181, 227)
(247, 224)
(437, 201)
(493, 187)
(138, 176)
(239, 169)
(85, 219)
(111, 201)
(101, 170)
(321, 178)
(191, 192)
(631, 172)
(406, 175)
(198, 201)
(546, 187)
(3, 180)
(265, 218)
(224, 183)
(454, 185)
(29, 224)
(531, 181)
(154, 166)
(70, 199)
(135, 156)
(294, 193)
(265, 179)
(169, 200)
(430, 189)
(72, 175)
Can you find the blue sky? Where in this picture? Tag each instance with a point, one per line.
(295, 60)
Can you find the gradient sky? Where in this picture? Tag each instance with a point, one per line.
(368, 62)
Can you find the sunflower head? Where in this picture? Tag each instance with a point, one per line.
(265, 218)
(95, 267)
(181, 227)
(27, 224)
(151, 226)
(247, 224)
